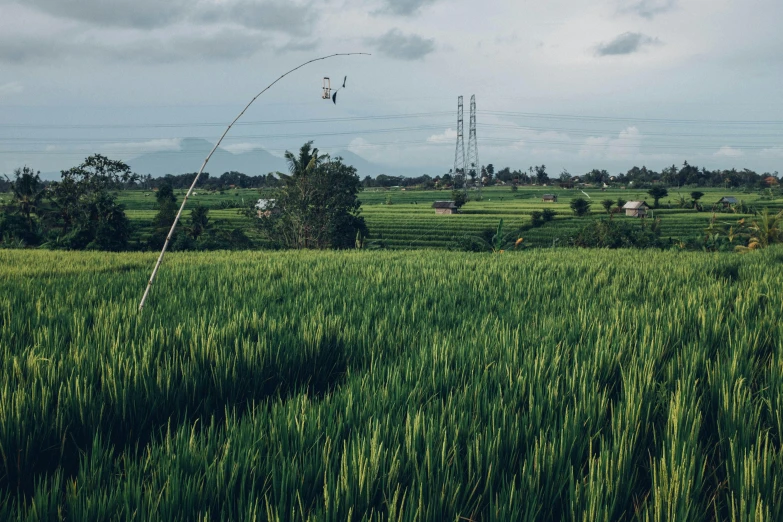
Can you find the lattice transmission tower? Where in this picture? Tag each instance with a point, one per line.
(459, 154)
(473, 166)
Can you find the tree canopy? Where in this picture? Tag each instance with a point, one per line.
(317, 204)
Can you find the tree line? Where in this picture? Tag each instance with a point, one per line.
(672, 176)
(315, 206)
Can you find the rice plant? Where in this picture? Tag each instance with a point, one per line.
(370, 385)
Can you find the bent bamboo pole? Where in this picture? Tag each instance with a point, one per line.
(195, 180)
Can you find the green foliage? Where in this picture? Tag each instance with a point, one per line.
(580, 206)
(19, 224)
(78, 212)
(459, 197)
(167, 213)
(199, 221)
(548, 215)
(608, 204)
(657, 193)
(537, 218)
(317, 205)
(611, 233)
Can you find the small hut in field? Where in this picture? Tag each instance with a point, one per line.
(636, 209)
(728, 201)
(549, 198)
(445, 207)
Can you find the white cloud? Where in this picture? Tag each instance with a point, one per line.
(729, 152)
(241, 148)
(361, 146)
(647, 8)
(144, 146)
(448, 136)
(627, 144)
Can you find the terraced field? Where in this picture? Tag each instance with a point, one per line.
(409, 222)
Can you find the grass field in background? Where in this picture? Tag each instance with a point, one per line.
(410, 222)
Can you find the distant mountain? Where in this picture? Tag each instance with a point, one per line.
(367, 168)
(192, 153)
(363, 167)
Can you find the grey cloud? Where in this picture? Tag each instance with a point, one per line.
(296, 45)
(26, 50)
(278, 15)
(626, 43)
(284, 16)
(647, 8)
(141, 14)
(395, 44)
(405, 7)
(225, 45)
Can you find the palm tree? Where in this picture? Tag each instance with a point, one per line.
(27, 192)
(764, 232)
(307, 160)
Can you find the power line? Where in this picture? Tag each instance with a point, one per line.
(529, 115)
(665, 121)
(565, 144)
(222, 124)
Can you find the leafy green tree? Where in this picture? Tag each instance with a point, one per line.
(541, 176)
(459, 197)
(109, 227)
(608, 204)
(536, 218)
(621, 202)
(696, 195)
(199, 221)
(317, 205)
(84, 210)
(580, 206)
(548, 215)
(167, 205)
(96, 174)
(167, 212)
(18, 221)
(657, 193)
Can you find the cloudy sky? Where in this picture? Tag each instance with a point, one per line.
(573, 84)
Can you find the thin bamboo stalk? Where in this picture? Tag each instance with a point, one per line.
(206, 160)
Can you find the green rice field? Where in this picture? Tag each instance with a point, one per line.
(383, 385)
(409, 222)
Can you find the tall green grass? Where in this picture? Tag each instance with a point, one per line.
(565, 385)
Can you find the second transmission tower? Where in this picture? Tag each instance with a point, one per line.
(459, 154)
(473, 165)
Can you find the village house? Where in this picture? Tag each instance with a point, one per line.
(636, 209)
(549, 198)
(264, 207)
(445, 207)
